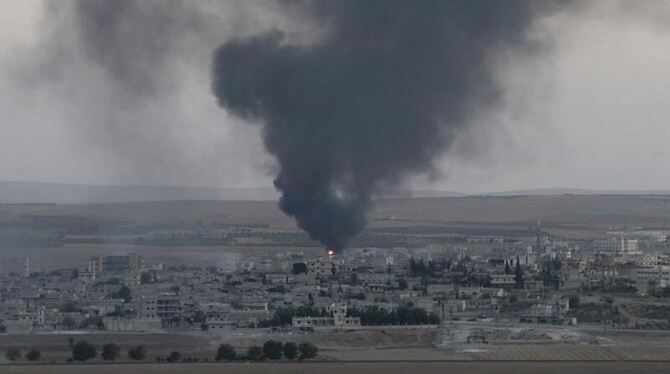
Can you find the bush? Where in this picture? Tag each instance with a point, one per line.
(226, 352)
(82, 351)
(33, 355)
(290, 350)
(12, 354)
(110, 352)
(299, 268)
(173, 357)
(307, 350)
(272, 350)
(137, 352)
(574, 301)
(255, 353)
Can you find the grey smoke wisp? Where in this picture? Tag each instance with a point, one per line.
(126, 83)
(374, 101)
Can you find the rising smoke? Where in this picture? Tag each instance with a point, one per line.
(122, 89)
(377, 99)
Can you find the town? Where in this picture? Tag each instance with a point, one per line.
(522, 283)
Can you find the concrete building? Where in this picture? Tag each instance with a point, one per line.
(542, 314)
(616, 246)
(127, 324)
(117, 264)
(659, 275)
(503, 280)
(339, 319)
(321, 267)
(163, 306)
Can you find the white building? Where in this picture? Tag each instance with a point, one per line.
(616, 246)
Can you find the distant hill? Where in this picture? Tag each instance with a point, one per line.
(436, 193)
(63, 193)
(574, 191)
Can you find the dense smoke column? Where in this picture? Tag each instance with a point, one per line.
(373, 101)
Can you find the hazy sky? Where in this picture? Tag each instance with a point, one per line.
(587, 108)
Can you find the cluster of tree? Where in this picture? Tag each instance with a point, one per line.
(147, 277)
(551, 273)
(83, 351)
(271, 350)
(13, 354)
(518, 271)
(284, 316)
(404, 315)
(419, 268)
(122, 293)
(70, 307)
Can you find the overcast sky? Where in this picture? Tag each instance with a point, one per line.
(589, 108)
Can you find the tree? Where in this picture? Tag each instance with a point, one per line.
(82, 351)
(574, 301)
(69, 307)
(146, 277)
(402, 284)
(69, 323)
(12, 354)
(173, 357)
(255, 353)
(199, 317)
(518, 274)
(137, 352)
(307, 350)
(419, 267)
(299, 267)
(226, 352)
(110, 352)
(124, 293)
(272, 349)
(290, 350)
(33, 355)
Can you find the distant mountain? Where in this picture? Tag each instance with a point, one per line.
(63, 193)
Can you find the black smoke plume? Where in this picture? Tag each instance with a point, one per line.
(378, 98)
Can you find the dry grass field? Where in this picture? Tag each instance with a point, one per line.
(564, 216)
(55, 347)
(572, 209)
(360, 367)
(69, 254)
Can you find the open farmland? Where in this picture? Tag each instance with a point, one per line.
(559, 209)
(359, 367)
(216, 231)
